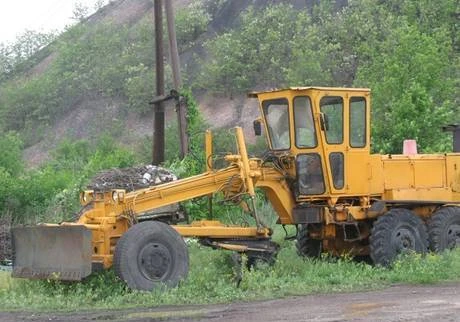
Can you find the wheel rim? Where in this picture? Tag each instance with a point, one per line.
(403, 240)
(154, 261)
(453, 236)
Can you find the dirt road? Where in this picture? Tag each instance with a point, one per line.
(397, 303)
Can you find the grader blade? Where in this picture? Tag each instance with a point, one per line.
(52, 252)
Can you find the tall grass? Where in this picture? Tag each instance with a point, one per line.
(212, 277)
(212, 280)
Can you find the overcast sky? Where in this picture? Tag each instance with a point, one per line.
(16, 16)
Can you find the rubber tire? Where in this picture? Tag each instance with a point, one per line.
(132, 251)
(306, 246)
(388, 232)
(445, 221)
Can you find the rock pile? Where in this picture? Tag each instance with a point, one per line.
(131, 178)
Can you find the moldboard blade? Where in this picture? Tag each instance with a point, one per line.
(52, 252)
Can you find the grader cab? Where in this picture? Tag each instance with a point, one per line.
(318, 174)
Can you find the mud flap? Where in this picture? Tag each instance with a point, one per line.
(52, 252)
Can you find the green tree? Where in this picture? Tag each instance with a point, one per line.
(11, 156)
(191, 22)
(413, 90)
(255, 53)
(6, 64)
(80, 11)
(11, 168)
(27, 49)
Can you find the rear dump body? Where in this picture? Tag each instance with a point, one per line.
(52, 252)
(426, 178)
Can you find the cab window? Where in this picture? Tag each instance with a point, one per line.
(305, 135)
(277, 119)
(310, 174)
(332, 108)
(358, 122)
(336, 160)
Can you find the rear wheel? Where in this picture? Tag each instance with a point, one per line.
(306, 246)
(399, 231)
(444, 229)
(151, 254)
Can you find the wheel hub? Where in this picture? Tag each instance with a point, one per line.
(404, 240)
(453, 236)
(154, 261)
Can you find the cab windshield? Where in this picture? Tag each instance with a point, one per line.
(276, 114)
(305, 134)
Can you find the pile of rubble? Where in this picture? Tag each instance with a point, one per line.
(131, 178)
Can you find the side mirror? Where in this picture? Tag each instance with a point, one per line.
(257, 128)
(324, 122)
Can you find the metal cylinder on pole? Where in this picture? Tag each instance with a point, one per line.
(159, 114)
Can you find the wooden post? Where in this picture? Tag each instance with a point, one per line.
(175, 65)
(174, 53)
(158, 154)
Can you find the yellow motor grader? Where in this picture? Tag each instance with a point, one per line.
(318, 174)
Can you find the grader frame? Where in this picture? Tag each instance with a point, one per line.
(318, 174)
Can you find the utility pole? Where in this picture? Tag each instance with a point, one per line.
(174, 53)
(159, 114)
(175, 65)
(159, 121)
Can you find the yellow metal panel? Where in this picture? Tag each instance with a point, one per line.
(421, 194)
(375, 170)
(398, 174)
(219, 231)
(453, 171)
(208, 150)
(358, 172)
(430, 173)
(304, 89)
(419, 171)
(279, 194)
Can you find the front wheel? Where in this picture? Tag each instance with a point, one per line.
(151, 254)
(399, 231)
(307, 246)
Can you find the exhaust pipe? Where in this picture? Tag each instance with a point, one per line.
(455, 129)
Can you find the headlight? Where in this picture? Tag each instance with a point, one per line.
(86, 197)
(118, 195)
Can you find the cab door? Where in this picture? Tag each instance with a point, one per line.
(309, 163)
(358, 169)
(332, 114)
(345, 134)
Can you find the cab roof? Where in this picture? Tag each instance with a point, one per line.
(345, 89)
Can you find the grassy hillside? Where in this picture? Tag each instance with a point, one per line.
(103, 69)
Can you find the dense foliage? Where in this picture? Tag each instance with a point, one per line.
(50, 193)
(405, 51)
